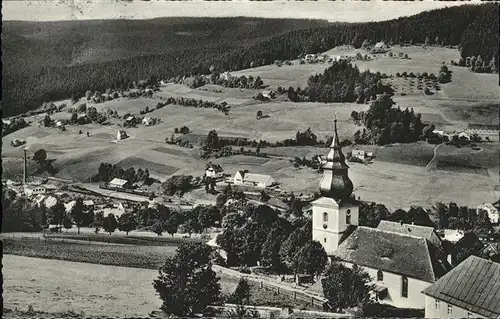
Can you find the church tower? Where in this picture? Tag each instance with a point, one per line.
(337, 209)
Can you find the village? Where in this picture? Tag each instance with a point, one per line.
(227, 169)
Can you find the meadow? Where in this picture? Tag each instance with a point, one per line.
(56, 287)
(398, 170)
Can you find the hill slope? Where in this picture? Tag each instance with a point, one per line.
(54, 60)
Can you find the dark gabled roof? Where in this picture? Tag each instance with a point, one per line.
(470, 240)
(393, 252)
(216, 167)
(473, 285)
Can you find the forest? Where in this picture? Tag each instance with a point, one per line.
(46, 61)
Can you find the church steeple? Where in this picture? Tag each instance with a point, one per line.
(335, 182)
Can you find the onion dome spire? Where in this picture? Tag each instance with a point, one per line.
(335, 182)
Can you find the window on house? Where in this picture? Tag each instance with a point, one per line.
(404, 287)
(469, 314)
(324, 240)
(450, 309)
(380, 275)
(436, 304)
(348, 217)
(325, 217)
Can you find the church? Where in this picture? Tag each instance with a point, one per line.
(401, 263)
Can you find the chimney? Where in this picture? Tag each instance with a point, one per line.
(25, 168)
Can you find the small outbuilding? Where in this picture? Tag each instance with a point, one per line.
(147, 121)
(117, 182)
(121, 135)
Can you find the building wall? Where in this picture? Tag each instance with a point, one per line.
(393, 282)
(440, 310)
(336, 224)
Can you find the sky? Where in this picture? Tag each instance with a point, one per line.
(342, 11)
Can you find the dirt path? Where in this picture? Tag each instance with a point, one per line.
(430, 164)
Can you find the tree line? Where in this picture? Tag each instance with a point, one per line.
(107, 172)
(473, 28)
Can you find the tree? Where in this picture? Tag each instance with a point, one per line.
(56, 214)
(269, 255)
(172, 224)
(110, 224)
(241, 294)
(77, 213)
(345, 288)
(187, 285)
(98, 221)
(158, 227)
(264, 197)
(40, 156)
(212, 140)
(310, 259)
(67, 223)
(47, 121)
(74, 118)
(370, 214)
(259, 114)
(127, 222)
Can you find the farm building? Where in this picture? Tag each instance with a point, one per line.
(147, 121)
(361, 154)
(115, 209)
(59, 123)
(48, 201)
(268, 94)
(489, 135)
(120, 135)
(380, 47)
(255, 180)
(310, 58)
(31, 190)
(470, 290)
(117, 182)
(225, 76)
(492, 212)
(214, 170)
(452, 235)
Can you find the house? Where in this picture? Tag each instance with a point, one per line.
(380, 47)
(213, 243)
(470, 290)
(361, 154)
(469, 244)
(59, 123)
(463, 135)
(120, 135)
(402, 260)
(147, 121)
(225, 75)
(486, 132)
(119, 183)
(214, 170)
(491, 251)
(88, 203)
(268, 94)
(491, 210)
(255, 180)
(310, 57)
(452, 235)
(30, 190)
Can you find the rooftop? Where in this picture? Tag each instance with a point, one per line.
(394, 252)
(473, 285)
(415, 230)
(118, 182)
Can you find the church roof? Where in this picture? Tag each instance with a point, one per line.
(415, 230)
(393, 252)
(335, 182)
(473, 285)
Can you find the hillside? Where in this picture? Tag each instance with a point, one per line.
(54, 60)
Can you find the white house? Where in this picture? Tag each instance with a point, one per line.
(30, 190)
(147, 121)
(214, 170)
(310, 57)
(117, 182)
(452, 235)
(463, 135)
(48, 201)
(225, 75)
(116, 209)
(470, 290)
(120, 135)
(255, 180)
(491, 210)
(380, 47)
(268, 94)
(213, 243)
(361, 154)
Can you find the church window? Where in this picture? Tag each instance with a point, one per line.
(348, 217)
(436, 304)
(324, 240)
(380, 275)
(404, 287)
(450, 309)
(325, 217)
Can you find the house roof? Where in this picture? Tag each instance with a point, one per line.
(88, 202)
(216, 167)
(118, 182)
(393, 252)
(470, 240)
(473, 285)
(256, 178)
(415, 230)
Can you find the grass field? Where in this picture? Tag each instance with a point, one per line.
(137, 162)
(55, 286)
(415, 154)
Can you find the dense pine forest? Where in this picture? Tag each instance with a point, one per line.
(54, 60)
